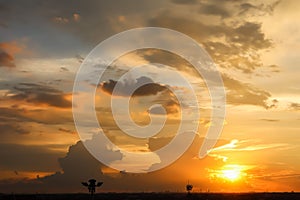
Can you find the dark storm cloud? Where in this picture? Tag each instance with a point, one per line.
(150, 88)
(28, 158)
(41, 94)
(77, 166)
(244, 94)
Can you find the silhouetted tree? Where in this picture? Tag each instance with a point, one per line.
(189, 188)
(92, 185)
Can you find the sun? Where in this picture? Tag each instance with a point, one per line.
(231, 174)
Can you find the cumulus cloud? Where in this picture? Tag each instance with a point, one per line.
(79, 165)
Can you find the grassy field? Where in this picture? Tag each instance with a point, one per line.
(154, 196)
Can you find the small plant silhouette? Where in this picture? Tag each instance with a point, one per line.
(91, 185)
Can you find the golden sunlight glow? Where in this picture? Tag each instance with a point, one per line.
(231, 174)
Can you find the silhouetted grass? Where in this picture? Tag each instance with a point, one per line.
(154, 196)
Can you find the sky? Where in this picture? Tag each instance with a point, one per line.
(254, 44)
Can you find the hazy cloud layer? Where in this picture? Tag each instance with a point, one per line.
(294, 106)
(41, 94)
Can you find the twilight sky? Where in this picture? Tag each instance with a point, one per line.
(255, 44)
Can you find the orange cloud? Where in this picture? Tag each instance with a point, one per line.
(76, 17)
(8, 50)
(12, 47)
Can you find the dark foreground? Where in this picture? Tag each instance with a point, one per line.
(154, 196)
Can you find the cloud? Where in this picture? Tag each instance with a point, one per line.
(150, 88)
(294, 106)
(79, 165)
(28, 158)
(65, 20)
(214, 9)
(239, 93)
(6, 60)
(171, 107)
(242, 49)
(184, 1)
(167, 58)
(41, 116)
(270, 120)
(8, 50)
(235, 45)
(76, 17)
(246, 145)
(101, 17)
(261, 8)
(41, 95)
(61, 20)
(12, 128)
(66, 130)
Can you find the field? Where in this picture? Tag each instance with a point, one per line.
(154, 196)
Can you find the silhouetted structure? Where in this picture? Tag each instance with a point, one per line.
(189, 188)
(92, 185)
